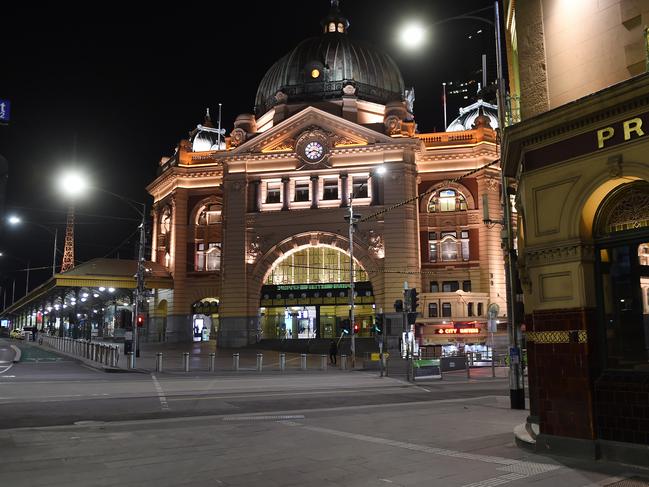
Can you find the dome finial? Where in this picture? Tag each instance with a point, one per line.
(335, 22)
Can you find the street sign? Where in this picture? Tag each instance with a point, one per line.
(515, 355)
(5, 110)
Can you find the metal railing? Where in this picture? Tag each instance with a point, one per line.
(101, 353)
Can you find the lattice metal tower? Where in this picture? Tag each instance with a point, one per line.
(68, 250)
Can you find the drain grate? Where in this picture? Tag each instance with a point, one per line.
(630, 482)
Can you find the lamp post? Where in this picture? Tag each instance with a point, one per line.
(352, 219)
(16, 220)
(412, 37)
(74, 184)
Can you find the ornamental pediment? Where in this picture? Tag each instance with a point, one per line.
(286, 136)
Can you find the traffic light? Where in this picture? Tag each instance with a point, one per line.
(140, 320)
(355, 328)
(414, 299)
(398, 306)
(378, 323)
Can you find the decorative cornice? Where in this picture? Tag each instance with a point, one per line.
(568, 252)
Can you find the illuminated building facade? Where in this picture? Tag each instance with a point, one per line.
(254, 232)
(580, 157)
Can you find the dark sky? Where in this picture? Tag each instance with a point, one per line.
(127, 86)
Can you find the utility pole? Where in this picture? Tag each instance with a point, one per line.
(139, 291)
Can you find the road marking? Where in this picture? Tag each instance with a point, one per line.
(6, 369)
(516, 469)
(263, 418)
(161, 395)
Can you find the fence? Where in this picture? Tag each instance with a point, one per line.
(96, 352)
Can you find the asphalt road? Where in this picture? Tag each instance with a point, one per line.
(46, 389)
(63, 423)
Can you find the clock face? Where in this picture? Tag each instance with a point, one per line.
(314, 151)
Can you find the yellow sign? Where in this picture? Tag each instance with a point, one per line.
(376, 356)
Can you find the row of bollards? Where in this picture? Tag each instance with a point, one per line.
(96, 352)
(259, 364)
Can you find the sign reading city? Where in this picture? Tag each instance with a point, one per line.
(458, 331)
(5, 110)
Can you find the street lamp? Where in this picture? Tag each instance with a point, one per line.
(74, 184)
(516, 391)
(16, 220)
(352, 219)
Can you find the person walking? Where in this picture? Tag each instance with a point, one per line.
(333, 351)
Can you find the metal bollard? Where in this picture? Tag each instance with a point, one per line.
(303, 361)
(343, 362)
(282, 362)
(260, 362)
(493, 366)
(323, 362)
(212, 363)
(113, 357)
(158, 362)
(131, 359)
(96, 353)
(235, 362)
(468, 365)
(186, 361)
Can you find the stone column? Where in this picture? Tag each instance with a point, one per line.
(344, 188)
(374, 184)
(285, 193)
(256, 194)
(179, 324)
(314, 191)
(154, 234)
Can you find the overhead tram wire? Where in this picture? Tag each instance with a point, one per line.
(430, 191)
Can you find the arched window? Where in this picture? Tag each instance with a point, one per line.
(165, 222)
(332, 27)
(447, 200)
(209, 215)
(622, 267)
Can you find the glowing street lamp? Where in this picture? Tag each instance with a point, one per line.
(74, 184)
(412, 35)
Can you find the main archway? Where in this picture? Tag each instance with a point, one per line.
(305, 295)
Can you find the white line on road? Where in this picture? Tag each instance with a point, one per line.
(6, 369)
(161, 395)
(91, 368)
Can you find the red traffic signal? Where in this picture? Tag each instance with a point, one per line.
(355, 328)
(140, 319)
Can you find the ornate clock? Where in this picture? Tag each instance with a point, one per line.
(312, 147)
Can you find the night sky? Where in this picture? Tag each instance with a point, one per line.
(113, 92)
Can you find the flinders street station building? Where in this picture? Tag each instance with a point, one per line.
(249, 238)
(252, 226)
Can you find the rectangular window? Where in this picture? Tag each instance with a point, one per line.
(274, 193)
(432, 251)
(450, 286)
(449, 250)
(208, 258)
(359, 187)
(434, 287)
(446, 310)
(330, 189)
(302, 191)
(466, 286)
(465, 244)
(469, 309)
(449, 234)
(432, 310)
(480, 309)
(213, 257)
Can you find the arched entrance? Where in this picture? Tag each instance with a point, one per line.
(621, 234)
(305, 295)
(205, 319)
